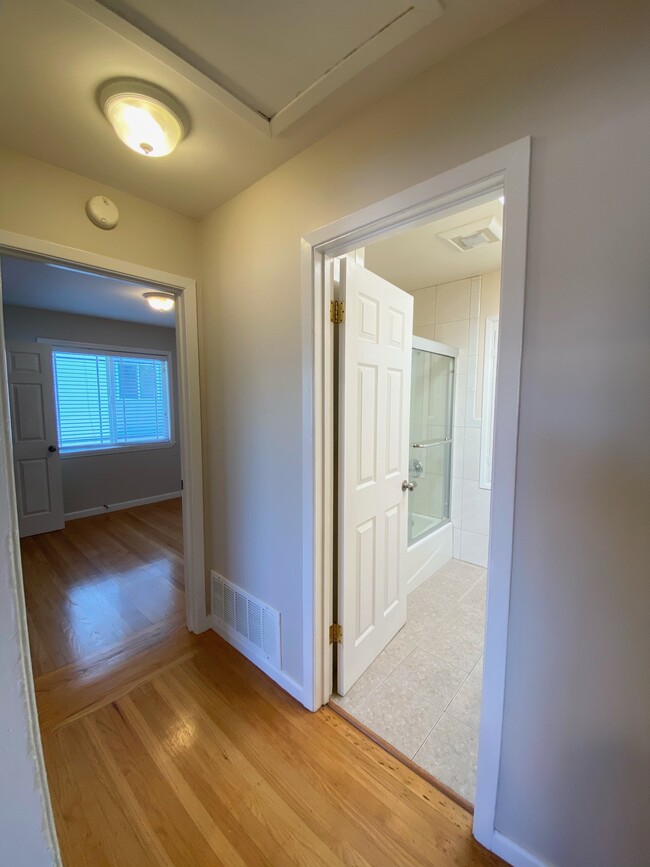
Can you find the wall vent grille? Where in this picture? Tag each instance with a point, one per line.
(246, 617)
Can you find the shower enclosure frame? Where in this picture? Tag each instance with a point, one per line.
(429, 551)
(442, 349)
(505, 171)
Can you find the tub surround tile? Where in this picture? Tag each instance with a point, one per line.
(460, 399)
(475, 508)
(398, 715)
(453, 301)
(458, 453)
(450, 753)
(424, 306)
(471, 454)
(474, 547)
(475, 298)
(427, 331)
(472, 339)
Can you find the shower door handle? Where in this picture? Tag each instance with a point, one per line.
(409, 486)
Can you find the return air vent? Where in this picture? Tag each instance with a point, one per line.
(473, 235)
(243, 616)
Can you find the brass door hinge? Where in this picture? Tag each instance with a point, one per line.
(337, 312)
(336, 634)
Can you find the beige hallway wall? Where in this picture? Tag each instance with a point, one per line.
(575, 76)
(47, 203)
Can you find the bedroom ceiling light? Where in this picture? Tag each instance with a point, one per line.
(146, 118)
(163, 302)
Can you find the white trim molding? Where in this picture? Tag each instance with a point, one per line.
(502, 172)
(116, 507)
(513, 853)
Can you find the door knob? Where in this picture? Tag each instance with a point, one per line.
(409, 486)
(51, 448)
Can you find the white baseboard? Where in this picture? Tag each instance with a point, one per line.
(280, 677)
(115, 507)
(513, 853)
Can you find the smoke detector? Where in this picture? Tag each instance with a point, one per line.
(473, 235)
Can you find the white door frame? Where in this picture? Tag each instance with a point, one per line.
(506, 169)
(187, 350)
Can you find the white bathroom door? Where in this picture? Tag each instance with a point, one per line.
(37, 465)
(375, 341)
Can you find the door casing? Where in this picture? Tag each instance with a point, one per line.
(504, 171)
(187, 351)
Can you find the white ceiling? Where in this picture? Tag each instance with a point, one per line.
(227, 61)
(270, 54)
(417, 258)
(30, 283)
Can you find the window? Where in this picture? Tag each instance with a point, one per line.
(109, 399)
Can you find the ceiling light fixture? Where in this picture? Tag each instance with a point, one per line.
(146, 118)
(163, 302)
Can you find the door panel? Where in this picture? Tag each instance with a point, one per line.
(374, 389)
(37, 469)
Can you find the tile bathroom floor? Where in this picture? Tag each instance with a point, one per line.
(422, 694)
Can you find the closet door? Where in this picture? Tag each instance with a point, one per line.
(37, 464)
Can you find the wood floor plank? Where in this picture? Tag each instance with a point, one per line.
(101, 581)
(165, 749)
(223, 767)
(80, 687)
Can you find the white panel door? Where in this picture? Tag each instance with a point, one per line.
(375, 342)
(37, 465)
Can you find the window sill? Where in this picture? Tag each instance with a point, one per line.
(116, 450)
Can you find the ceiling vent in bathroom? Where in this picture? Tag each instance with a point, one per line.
(473, 235)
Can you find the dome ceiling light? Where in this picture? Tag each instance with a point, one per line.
(146, 118)
(163, 302)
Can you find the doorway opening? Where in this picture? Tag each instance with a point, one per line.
(423, 598)
(336, 633)
(105, 443)
(93, 397)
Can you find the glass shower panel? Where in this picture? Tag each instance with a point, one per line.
(431, 425)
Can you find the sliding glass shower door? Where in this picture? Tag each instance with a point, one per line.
(431, 427)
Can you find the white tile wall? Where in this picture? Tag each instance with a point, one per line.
(453, 301)
(424, 306)
(471, 453)
(451, 313)
(473, 547)
(475, 507)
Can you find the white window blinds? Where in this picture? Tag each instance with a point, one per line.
(109, 400)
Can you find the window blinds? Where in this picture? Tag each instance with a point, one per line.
(107, 400)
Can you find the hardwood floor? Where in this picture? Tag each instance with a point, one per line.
(101, 582)
(165, 749)
(210, 763)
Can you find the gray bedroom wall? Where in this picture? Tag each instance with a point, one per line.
(92, 481)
